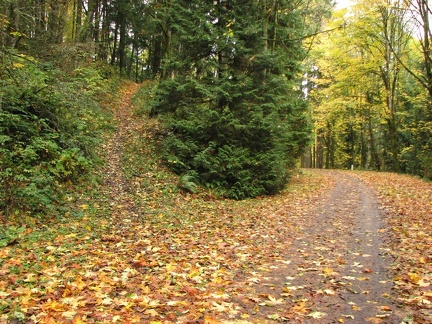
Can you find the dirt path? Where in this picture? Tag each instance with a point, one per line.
(339, 266)
(117, 188)
(358, 260)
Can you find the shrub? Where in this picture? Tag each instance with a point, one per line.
(49, 128)
(237, 156)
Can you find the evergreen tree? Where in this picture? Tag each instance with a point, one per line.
(231, 94)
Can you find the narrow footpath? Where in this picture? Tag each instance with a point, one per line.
(117, 188)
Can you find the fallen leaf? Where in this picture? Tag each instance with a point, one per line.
(316, 314)
(70, 314)
(210, 320)
(385, 308)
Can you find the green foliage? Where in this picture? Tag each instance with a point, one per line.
(236, 156)
(234, 119)
(187, 183)
(48, 131)
(9, 235)
(367, 116)
(143, 98)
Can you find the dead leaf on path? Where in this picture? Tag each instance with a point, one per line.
(210, 320)
(78, 320)
(79, 283)
(423, 260)
(69, 314)
(316, 315)
(340, 260)
(414, 277)
(329, 292)
(329, 272)
(272, 301)
(355, 308)
(54, 306)
(385, 308)
(374, 320)
(301, 308)
(382, 315)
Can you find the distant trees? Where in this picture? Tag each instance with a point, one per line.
(369, 83)
(231, 78)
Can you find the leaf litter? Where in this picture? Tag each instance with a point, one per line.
(140, 251)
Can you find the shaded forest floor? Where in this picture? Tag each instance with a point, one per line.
(334, 247)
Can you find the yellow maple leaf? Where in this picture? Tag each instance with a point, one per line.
(414, 277)
(54, 306)
(69, 314)
(79, 283)
(78, 320)
(328, 271)
(210, 320)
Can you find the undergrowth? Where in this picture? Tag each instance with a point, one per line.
(50, 125)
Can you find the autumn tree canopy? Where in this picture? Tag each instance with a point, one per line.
(369, 89)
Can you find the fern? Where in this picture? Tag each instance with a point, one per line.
(187, 183)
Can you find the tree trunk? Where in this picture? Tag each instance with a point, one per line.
(56, 21)
(122, 41)
(114, 50)
(375, 161)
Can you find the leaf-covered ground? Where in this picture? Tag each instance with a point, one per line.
(334, 247)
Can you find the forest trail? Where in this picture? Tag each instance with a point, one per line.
(340, 265)
(117, 187)
(338, 262)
